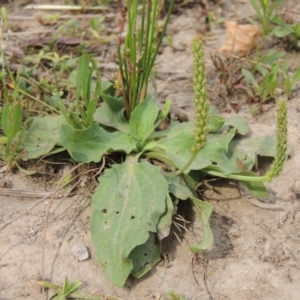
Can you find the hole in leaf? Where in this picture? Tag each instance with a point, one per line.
(145, 254)
(132, 217)
(117, 212)
(214, 163)
(104, 210)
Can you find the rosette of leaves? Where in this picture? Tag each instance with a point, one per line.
(133, 206)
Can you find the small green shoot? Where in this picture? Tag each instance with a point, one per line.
(266, 87)
(4, 18)
(173, 296)
(138, 54)
(265, 11)
(289, 80)
(291, 32)
(80, 114)
(70, 291)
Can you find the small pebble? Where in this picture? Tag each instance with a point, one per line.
(80, 252)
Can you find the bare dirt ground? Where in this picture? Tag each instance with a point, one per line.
(256, 250)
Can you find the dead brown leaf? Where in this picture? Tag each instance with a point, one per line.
(240, 39)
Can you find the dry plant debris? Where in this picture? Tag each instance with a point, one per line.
(240, 39)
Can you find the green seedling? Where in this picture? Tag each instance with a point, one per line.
(96, 26)
(265, 11)
(80, 114)
(173, 296)
(24, 137)
(51, 19)
(138, 54)
(70, 291)
(11, 122)
(266, 86)
(289, 31)
(289, 80)
(23, 140)
(4, 18)
(70, 27)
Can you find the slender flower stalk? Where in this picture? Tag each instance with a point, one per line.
(281, 136)
(201, 97)
(201, 102)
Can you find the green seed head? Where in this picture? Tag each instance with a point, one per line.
(201, 96)
(281, 136)
(166, 109)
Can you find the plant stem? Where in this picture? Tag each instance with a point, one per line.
(236, 176)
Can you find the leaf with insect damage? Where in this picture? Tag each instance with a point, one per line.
(179, 140)
(126, 208)
(144, 257)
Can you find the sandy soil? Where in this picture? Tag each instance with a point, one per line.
(256, 250)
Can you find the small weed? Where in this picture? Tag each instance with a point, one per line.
(266, 86)
(70, 27)
(265, 11)
(68, 291)
(289, 80)
(172, 296)
(289, 32)
(4, 18)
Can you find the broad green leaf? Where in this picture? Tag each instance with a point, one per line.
(164, 224)
(41, 136)
(11, 119)
(215, 123)
(203, 211)
(215, 120)
(141, 123)
(178, 142)
(114, 103)
(178, 187)
(172, 130)
(144, 257)
(91, 143)
(237, 122)
(280, 31)
(215, 153)
(111, 118)
(126, 208)
(247, 149)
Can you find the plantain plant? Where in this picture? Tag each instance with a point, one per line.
(134, 203)
(133, 206)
